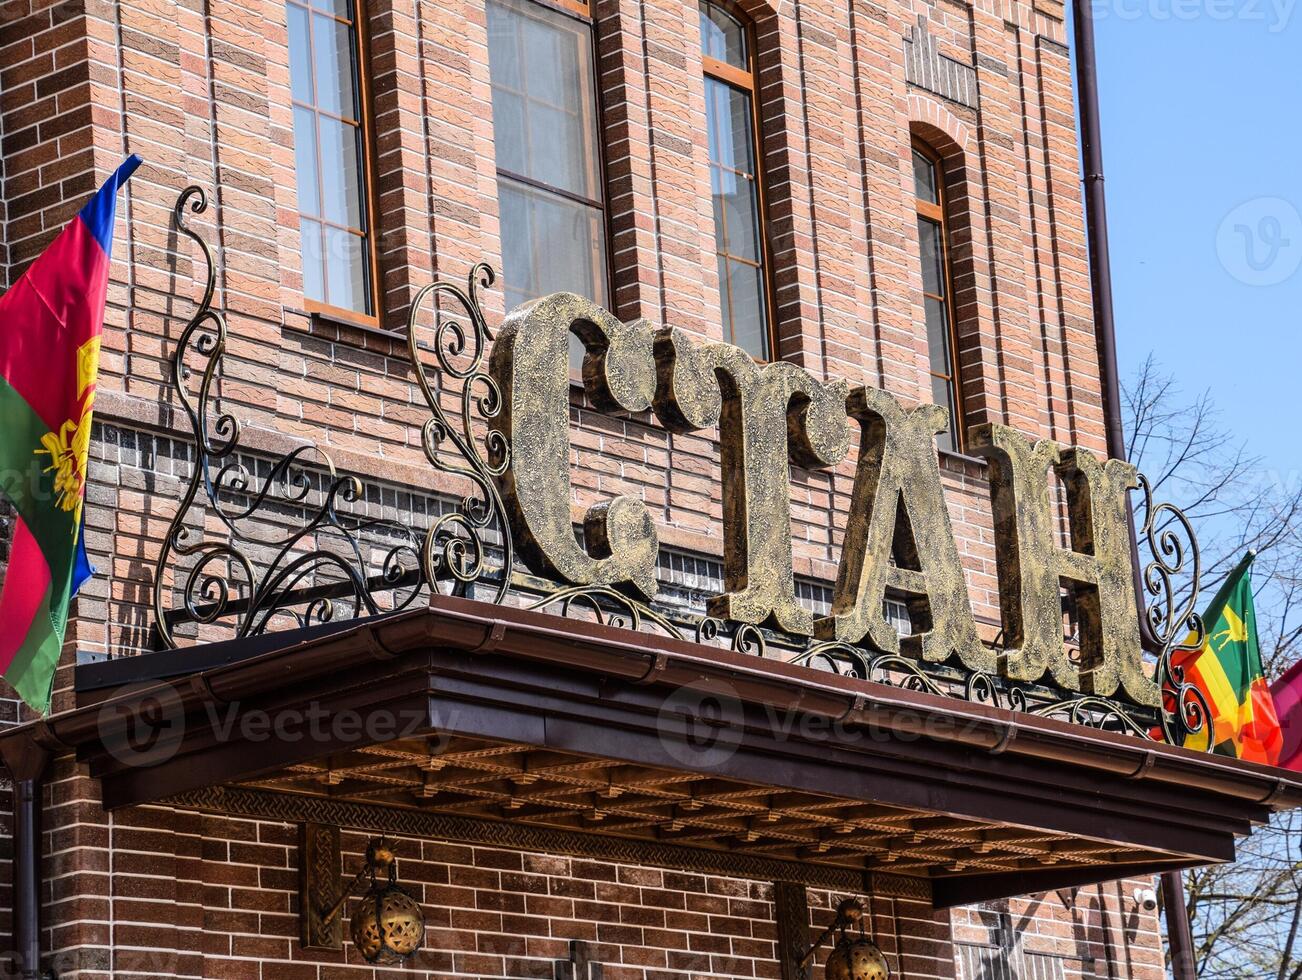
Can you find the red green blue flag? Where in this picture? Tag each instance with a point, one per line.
(1228, 670)
(50, 323)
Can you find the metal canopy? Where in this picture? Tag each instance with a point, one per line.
(564, 734)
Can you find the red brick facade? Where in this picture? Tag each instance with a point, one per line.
(155, 892)
(201, 91)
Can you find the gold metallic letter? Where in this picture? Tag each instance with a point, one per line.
(1032, 565)
(768, 416)
(530, 363)
(897, 470)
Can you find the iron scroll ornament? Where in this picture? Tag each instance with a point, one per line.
(455, 546)
(1173, 617)
(303, 572)
(317, 569)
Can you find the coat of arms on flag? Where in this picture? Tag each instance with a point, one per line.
(50, 322)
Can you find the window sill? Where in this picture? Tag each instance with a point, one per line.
(339, 321)
(340, 315)
(955, 460)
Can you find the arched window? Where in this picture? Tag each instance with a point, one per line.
(550, 183)
(736, 184)
(938, 290)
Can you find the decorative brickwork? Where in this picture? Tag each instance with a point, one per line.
(202, 93)
(927, 68)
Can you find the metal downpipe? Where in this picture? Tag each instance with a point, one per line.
(1179, 935)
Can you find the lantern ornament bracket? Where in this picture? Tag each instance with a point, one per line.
(387, 923)
(856, 955)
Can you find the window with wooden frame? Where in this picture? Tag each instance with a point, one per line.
(938, 290)
(332, 158)
(736, 181)
(550, 178)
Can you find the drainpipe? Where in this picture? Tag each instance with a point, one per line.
(27, 765)
(1179, 935)
(26, 871)
(1096, 227)
(1096, 231)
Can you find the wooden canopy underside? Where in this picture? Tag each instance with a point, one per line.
(534, 731)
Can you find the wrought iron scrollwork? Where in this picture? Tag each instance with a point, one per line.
(976, 687)
(1173, 617)
(284, 538)
(283, 541)
(608, 607)
(455, 549)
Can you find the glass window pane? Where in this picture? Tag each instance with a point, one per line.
(505, 52)
(557, 148)
(544, 96)
(736, 198)
(942, 393)
(518, 273)
(346, 271)
(931, 242)
(737, 228)
(313, 283)
(545, 130)
(333, 53)
(340, 8)
(329, 154)
(725, 306)
(509, 131)
(746, 298)
(300, 54)
(728, 121)
(722, 36)
(341, 173)
(305, 146)
(549, 57)
(924, 179)
(570, 243)
(550, 244)
(937, 335)
(736, 205)
(716, 200)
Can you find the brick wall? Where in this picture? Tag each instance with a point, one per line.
(201, 91)
(191, 895)
(204, 99)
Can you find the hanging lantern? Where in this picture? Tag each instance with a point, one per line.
(387, 923)
(856, 959)
(855, 956)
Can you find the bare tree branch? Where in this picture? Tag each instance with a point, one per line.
(1247, 916)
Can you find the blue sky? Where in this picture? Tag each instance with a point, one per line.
(1202, 125)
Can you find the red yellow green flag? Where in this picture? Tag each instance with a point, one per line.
(1227, 669)
(50, 322)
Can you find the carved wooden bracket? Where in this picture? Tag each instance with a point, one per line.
(791, 912)
(319, 864)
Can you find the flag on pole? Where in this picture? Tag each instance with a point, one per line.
(1227, 669)
(1287, 692)
(50, 322)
